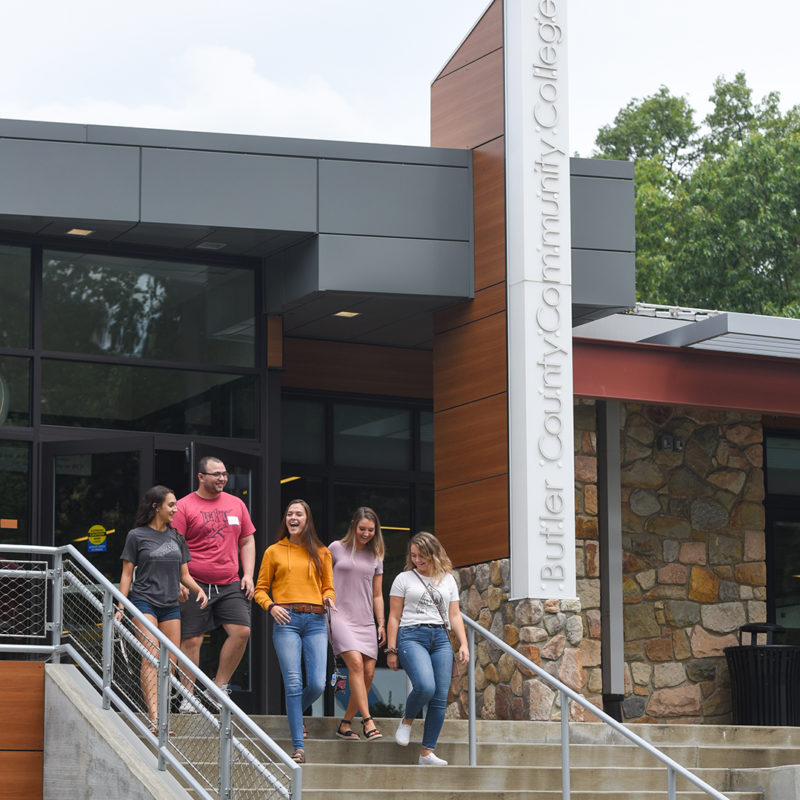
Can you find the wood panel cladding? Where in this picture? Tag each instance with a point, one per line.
(358, 368)
(472, 520)
(491, 300)
(470, 353)
(22, 732)
(472, 442)
(469, 363)
(467, 105)
(23, 705)
(22, 775)
(485, 36)
(489, 170)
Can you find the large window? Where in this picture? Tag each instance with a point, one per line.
(783, 532)
(15, 391)
(172, 311)
(15, 481)
(148, 399)
(15, 296)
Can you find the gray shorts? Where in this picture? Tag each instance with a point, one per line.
(227, 604)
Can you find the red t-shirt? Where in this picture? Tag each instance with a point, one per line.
(214, 530)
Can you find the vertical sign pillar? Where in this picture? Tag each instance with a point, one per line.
(539, 281)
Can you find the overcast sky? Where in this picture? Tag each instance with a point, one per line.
(359, 69)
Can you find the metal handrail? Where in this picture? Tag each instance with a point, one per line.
(229, 711)
(673, 768)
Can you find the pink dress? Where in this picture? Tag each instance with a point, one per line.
(353, 622)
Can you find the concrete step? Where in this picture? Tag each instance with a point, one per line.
(521, 760)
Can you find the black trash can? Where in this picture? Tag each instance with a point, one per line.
(765, 679)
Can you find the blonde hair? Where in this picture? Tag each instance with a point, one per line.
(432, 549)
(375, 544)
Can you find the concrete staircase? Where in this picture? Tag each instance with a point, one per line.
(523, 760)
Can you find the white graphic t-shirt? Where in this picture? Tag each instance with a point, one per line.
(418, 607)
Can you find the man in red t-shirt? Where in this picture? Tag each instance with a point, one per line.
(219, 534)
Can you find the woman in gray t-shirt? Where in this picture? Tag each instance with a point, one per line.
(160, 556)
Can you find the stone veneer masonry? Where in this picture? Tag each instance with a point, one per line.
(693, 573)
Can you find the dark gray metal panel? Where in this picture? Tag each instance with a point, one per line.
(396, 266)
(603, 278)
(609, 503)
(229, 190)
(601, 168)
(278, 146)
(67, 180)
(56, 131)
(379, 199)
(602, 214)
(292, 276)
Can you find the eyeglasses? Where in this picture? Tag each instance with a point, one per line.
(216, 474)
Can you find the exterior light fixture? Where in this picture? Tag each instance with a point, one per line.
(290, 479)
(347, 314)
(79, 232)
(211, 245)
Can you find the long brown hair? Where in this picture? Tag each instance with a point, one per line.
(148, 505)
(308, 536)
(375, 545)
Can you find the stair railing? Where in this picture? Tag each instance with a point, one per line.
(79, 622)
(565, 693)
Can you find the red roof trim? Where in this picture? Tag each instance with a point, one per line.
(651, 373)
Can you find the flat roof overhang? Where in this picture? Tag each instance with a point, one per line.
(383, 231)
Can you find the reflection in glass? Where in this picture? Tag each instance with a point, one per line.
(783, 465)
(426, 441)
(15, 296)
(144, 308)
(378, 437)
(15, 392)
(148, 399)
(96, 491)
(303, 429)
(15, 460)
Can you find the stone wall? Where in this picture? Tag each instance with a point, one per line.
(693, 572)
(694, 563)
(547, 632)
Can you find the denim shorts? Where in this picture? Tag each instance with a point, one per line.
(161, 613)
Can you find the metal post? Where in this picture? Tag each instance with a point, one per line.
(163, 703)
(58, 605)
(108, 646)
(225, 753)
(670, 783)
(473, 745)
(565, 793)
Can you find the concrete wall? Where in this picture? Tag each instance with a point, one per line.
(89, 752)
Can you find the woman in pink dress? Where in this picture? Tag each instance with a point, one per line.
(358, 583)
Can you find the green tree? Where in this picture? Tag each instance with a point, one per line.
(716, 209)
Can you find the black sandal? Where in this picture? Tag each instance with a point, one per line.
(374, 733)
(299, 756)
(350, 735)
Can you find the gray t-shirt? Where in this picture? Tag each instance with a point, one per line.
(157, 556)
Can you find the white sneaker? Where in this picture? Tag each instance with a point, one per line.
(403, 734)
(187, 706)
(432, 760)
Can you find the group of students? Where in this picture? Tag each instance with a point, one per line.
(314, 595)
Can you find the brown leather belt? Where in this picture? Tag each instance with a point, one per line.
(304, 608)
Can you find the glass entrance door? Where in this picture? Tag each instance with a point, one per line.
(90, 493)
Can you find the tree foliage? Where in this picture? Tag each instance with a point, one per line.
(716, 207)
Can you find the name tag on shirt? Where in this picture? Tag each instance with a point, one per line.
(232, 520)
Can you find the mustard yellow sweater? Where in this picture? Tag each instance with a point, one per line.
(288, 575)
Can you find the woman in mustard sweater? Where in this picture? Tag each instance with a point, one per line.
(295, 584)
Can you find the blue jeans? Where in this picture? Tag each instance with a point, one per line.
(304, 638)
(426, 655)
